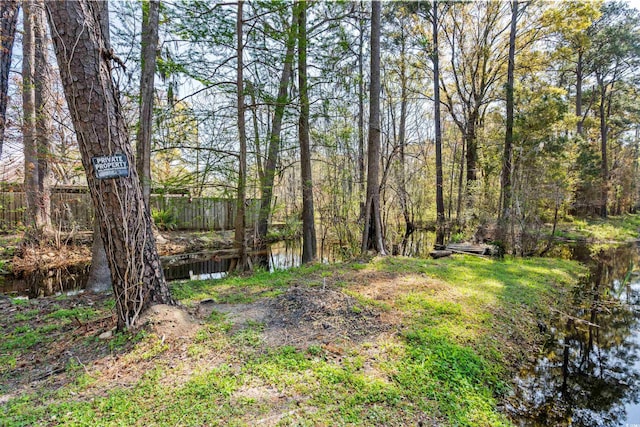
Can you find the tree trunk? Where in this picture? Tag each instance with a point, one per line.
(505, 179)
(43, 120)
(149, 46)
(29, 116)
(273, 151)
(471, 143)
(372, 233)
(85, 68)
(603, 148)
(402, 131)
(460, 179)
(438, 131)
(99, 279)
(8, 22)
(361, 164)
(240, 240)
(579, 72)
(309, 245)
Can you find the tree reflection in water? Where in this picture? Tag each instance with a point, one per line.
(589, 373)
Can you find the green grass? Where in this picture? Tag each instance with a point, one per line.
(463, 321)
(80, 313)
(239, 289)
(620, 228)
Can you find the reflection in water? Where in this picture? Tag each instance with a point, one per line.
(589, 374)
(278, 256)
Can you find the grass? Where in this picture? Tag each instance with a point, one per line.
(238, 289)
(620, 228)
(460, 324)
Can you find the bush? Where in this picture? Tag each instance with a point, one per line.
(165, 219)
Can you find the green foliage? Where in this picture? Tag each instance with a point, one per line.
(26, 315)
(620, 228)
(122, 340)
(80, 313)
(22, 337)
(165, 219)
(243, 289)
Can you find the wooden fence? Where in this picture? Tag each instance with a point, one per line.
(71, 208)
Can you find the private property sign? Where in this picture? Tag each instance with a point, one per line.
(110, 166)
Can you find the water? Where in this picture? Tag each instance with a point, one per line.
(278, 256)
(589, 372)
(201, 266)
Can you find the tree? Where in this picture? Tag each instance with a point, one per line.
(85, 66)
(241, 263)
(36, 95)
(505, 179)
(149, 46)
(274, 138)
(99, 279)
(372, 233)
(438, 130)
(8, 22)
(309, 250)
(474, 33)
(571, 20)
(614, 55)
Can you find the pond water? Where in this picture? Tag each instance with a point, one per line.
(278, 256)
(589, 371)
(200, 266)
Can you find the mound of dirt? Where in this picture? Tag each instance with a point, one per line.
(169, 321)
(305, 316)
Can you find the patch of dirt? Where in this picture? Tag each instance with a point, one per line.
(238, 314)
(386, 288)
(304, 316)
(58, 343)
(169, 322)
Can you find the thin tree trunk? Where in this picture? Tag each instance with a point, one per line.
(460, 185)
(452, 179)
(471, 143)
(603, 149)
(43, 122)
(85, 67)
(579, 72)
(361, 163)
(372, 233)
(8, 22)
(29, 115)
(240, 241)
(309, 245)
(149, 46)
(273, 150)
(505, 181)
(438, 131)
(402, 130)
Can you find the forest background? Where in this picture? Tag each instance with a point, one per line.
(568, 70)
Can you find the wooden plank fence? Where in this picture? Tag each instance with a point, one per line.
(72, 209)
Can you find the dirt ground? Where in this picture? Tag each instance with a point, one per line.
(301, 316)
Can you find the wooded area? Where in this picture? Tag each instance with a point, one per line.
(491, 119)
